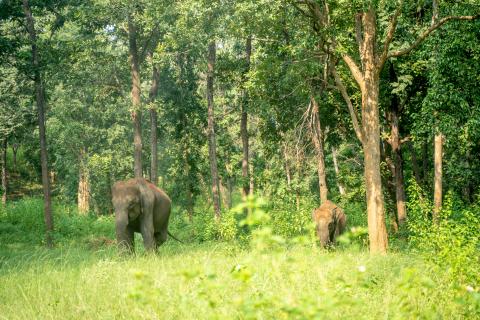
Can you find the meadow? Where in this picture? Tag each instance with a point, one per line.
(84, 277)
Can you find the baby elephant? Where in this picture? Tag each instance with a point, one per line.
(330, 222)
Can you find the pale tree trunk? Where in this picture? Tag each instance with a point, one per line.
(136, 97)
(243, 121)
(341, 188)
(153, 127)
(83, 184)
(377, 230)
(438, 150)
(40, 100)
(437, 194)
(4, 172)
(287, 165)
(317, 136)
(212, 152)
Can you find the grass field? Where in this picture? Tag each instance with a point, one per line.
(85, 278)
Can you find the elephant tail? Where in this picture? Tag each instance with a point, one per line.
(173, 237)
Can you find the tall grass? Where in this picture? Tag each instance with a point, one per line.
(86, 279)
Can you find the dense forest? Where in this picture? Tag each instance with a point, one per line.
(248, 115)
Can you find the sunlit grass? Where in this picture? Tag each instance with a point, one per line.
(222, 281)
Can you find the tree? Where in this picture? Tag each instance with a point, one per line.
(367, 74)
(40, 99)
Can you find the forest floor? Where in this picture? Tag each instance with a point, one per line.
(84, 277)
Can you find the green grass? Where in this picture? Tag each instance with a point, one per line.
(84, 279)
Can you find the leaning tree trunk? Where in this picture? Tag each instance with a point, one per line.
(243, 121)
(211, 129)
(83, 184)
(341, 188)
(437, 194)
(317, 136)
(40, 100)
(4, 172)
(136, 99)
(153, 127)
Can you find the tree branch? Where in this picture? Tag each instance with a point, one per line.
(353, 114)
(427, 32)
(356, 72)
(391, 32)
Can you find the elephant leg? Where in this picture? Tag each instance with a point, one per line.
(147, 230)
(160, 237)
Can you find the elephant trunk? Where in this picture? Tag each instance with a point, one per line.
(323, 233)
(121, 230)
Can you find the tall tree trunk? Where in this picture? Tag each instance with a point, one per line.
(153, 127)
(83, 184)
(416, 168)
(425, 160)
(212, 152)
(40, 100)
(136, 97)
(341, 188)
(317, 136)
(244, 119)
(4, 171)
(377, 230)
(393, 117)
(437, 194)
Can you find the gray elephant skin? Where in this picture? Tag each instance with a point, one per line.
(140, 206)
(330, 221)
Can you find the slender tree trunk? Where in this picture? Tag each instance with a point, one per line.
(287, 166)
(416, 168)
(317, 136)
(341, 188)
(377, 230)
(425, 160)
(136, 97)
(230, 190)
(393, 117)
(4, 172)
(40, 100)
(211, 129)
(83, 184)
(14, 152)
(437, 194)
(153, 127)
(244, 119)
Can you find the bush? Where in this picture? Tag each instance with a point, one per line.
(453, 242)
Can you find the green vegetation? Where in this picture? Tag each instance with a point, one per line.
(250, 115)
(84, 276)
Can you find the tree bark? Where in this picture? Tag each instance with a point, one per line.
(212, 152)
(416, 168)
(244, 119)
(287, 166)
(14, 153)
(317, 136)
(83, 184)
(377, 230)
(136, 97)
(437, 194)
(153, 127)
(341, 188)
(40, 100)
(4, 172)
(393, 117)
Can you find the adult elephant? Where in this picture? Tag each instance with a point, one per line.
(330, 221)
(140, 206)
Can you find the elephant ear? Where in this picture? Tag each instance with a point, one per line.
(134, 209)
